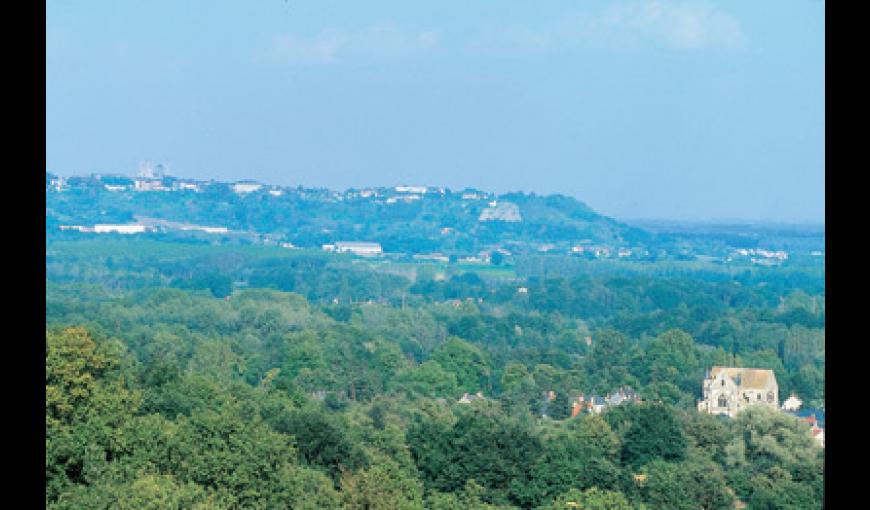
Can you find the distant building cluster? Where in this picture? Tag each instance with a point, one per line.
(419, 190)
(107, 228)
(762, 257)
(596, 404)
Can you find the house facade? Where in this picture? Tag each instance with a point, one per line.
(729, 390)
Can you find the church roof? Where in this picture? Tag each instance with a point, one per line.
(751, 378)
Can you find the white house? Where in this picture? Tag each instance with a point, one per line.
(792, 403)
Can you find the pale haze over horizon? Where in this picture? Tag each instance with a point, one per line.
(687, 110)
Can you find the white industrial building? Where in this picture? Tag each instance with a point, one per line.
(359, 248)
(246, 187)
(120, 229)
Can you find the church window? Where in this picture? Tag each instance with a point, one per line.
(723, 402)
(770, 397)
(758, 397)
(723, 382)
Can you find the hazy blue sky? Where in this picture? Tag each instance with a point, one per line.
(642, 109)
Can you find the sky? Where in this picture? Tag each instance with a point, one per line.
(683, 110)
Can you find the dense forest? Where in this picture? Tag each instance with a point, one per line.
(199, 376)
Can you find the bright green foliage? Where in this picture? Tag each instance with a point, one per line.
(783, 494)
(654, 433)
(470, 498)
(671, 359)
(267, 400)
(383, 486)
(546, 377)
(466, 362)
(590, 499)
(161, 492)
(308, 489)
(774, 462)
(583, 456)
(667, 393)
(224, 450)
(429, 379)
(607, 363)
(516, 379)
(86, 401)
(809, 383)
(494, 450)
(519, 389)
(771, 438)
(81, 380)
(321, 440)
(707, 434)
(689, 485)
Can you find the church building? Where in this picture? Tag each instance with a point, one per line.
(729, 390)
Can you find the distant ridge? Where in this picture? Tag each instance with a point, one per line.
(403, 218)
